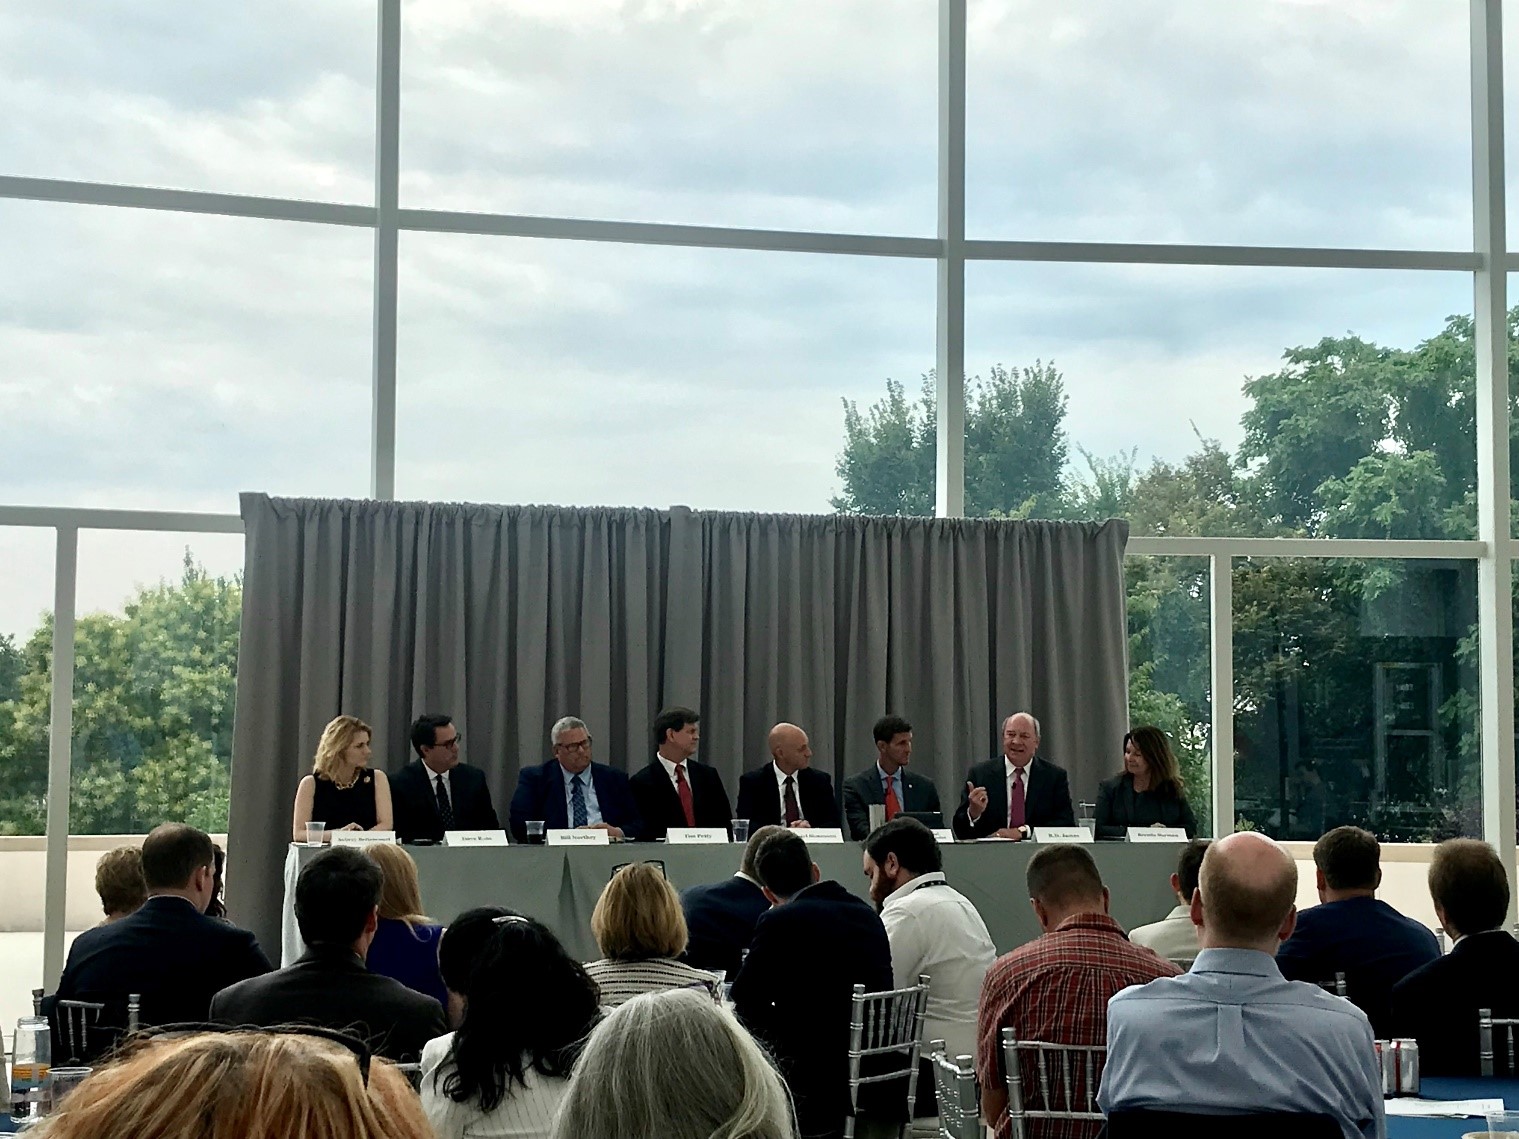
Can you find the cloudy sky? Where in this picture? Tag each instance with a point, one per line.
(155, 360)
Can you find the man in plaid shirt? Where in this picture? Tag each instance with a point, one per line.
(1056, 989)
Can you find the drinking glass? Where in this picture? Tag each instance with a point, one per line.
(314, 831)
(535, 831)
(740, 830)
(61, 1081)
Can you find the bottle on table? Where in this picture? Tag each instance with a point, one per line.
(29, 1067)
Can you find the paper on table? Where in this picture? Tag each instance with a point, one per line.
(1442, 1108)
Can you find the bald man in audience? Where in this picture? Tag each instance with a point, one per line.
(787, 791)
(1233, 1037)
(1056, 989)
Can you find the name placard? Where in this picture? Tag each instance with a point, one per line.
(474, 838)
(944, 834)
(362, 838)
(821, 834)
(581, 838)
(1157, 834)
(1062, 834)
(687, 836)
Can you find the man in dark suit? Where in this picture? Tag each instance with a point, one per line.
(1351, 932)
(720, 916)
(794, 989)
(168, 951)
(787, 791)
(887, 783)
(435, 792)
(1011, 795)
(674, 790)
(571, 791)
(337, 905)
(1437, 1003)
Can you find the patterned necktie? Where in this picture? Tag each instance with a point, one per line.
(683, 789)
(893, 808)
(793, 812)
(578, 817)
(445, 809)
(1015, 800)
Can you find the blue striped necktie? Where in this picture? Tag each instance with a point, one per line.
(578, 817)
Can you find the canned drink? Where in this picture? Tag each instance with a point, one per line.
(1408, 1066)
(1387, 1060)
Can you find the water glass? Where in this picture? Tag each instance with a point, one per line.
(1503, 1123)
(314, 831)
(740, 830)
(535, 831)
(61, 1081)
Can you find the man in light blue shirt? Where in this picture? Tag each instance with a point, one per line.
(1232, 1036)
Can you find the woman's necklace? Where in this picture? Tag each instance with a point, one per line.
(352, 780)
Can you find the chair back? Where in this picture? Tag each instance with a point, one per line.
(959, 1101)
(1336, 986)
(85, 1030)
(1067, 1076)
(1185, 1125)
(76, 1020)
(1486, 1022)
(413, 1074)
(885, 1035)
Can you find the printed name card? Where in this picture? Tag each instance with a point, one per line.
(583, 838)
(686, 836)
(821, 834)
(362, 838)
(474, 838)
(1157, 834)
(944, 834)
(1062, 834)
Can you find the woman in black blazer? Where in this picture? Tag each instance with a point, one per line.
(1148, 793)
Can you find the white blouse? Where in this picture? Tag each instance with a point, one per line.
(525, 1112)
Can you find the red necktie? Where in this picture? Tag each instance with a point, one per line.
(683, 789)
(793, 812)
(892, 806)
(1015, 800)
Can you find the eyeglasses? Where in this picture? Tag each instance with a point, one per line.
(579, 745)
(655, 862)
(359, 1049)
(455, 742)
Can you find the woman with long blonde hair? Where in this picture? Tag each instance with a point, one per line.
(342, 793)
(405, 945)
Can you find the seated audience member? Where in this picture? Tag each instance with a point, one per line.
(1174, 937)
(787, 791)
(1351, 932)
(435, 793)
(169, 952)
(342, 793)
(795, 987)
(673, 1065)
(1437, 1003)
(887, 782)
(119, 882)
(217, 906)
(571, 791)
(1056, 988)
(720, 916)
(639, 927)
(240, 1085)
(1148, 793)
(1008, 796)
(405, 944)
(932, 928)
(1233, 1036)
(463, 943)
(528, 1007)
(674, 790)
(337, 906)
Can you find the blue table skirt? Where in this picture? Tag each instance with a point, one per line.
(1453, 1087)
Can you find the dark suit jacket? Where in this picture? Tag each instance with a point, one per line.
(863, 791)
(1120, 807)
(1367, 940)
(174, 956)
(1046, 798)
(415, 805)
(540, 795)
(1437, 1003)
(330, 986)
(659, 805)
(794, 992)
(720, 917)
(759, 798)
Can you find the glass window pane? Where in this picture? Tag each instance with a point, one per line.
(1355, 696)
(166, 361)
(1277, 122)
(818, 116)
(154, 674)
(26, 661)
(1260, 402)
(270, 97)
(586, 374)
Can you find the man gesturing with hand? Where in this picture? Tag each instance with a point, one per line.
(1008, 796)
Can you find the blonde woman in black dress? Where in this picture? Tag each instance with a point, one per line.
(342, 792)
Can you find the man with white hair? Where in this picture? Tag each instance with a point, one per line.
(1010, 795)
(570, 792)
(1232, 1037)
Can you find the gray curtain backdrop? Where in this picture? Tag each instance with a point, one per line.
(508, 617)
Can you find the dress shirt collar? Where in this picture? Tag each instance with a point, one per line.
(1250, 962)
(901, 892)
(168, 899)
(781, 777)
(569, 776)
(434, 776)
(755, 882)
(1100, 923)
(1009, 767)
(1179, 912)
(669, 766)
